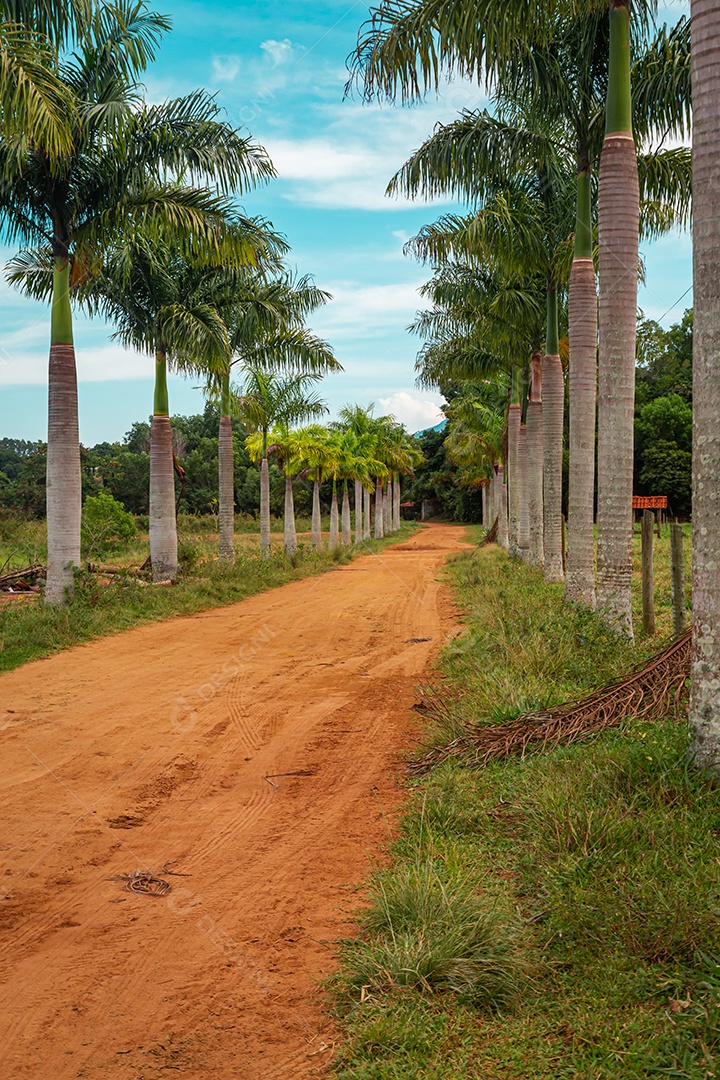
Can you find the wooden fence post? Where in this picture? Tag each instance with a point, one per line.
(678, 577)
(648, 586)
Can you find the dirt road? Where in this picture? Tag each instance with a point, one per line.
(255, 749)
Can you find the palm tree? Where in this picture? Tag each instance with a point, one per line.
(268, 399)
(158, 301)
(618, 230)
(487, 319)
(265, 311)
(477, 433)
(122, 176)
(406, 48)
(316, 453)
(287, 446)
(360, 421)
(705, 678)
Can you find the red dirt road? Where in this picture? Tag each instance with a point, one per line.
(152, 747)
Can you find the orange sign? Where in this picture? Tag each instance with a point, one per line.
(649, 502)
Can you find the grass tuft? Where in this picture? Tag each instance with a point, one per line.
(429, 930)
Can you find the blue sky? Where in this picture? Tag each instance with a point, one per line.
(279, 70)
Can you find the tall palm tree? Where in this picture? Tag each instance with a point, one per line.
(269, 399)
(705, 679)
(618, 232)
(317, 456)
(287, 447)
(360, 421)
(560, 57)
(123, 174)
(522, 226)
(161, 303)
(264, 310)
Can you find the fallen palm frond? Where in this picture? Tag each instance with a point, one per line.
(491, 536)
(23, 579)
(648, 693)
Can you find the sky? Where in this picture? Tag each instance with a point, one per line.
(278, 70)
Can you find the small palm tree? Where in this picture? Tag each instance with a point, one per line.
(268, 399)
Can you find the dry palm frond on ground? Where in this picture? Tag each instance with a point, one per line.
(649, 692)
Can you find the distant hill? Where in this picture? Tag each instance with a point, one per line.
(438, 427)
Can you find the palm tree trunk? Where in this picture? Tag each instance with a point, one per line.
(513, 465)
(524, 515)
(492, 497)
(553, 419)
(346, 526)
(535, 453)
(485, 505)
(163, 521)
(265, 507)
(502, 493)
(334, 519)
(316, 533)
(387, 523)
(618, 215)
(378, 510)
(358, 512)
(396, 502)
(705, 675)
(582, 311)
(290, 539)
(64, 480)
(226, 478)
(366, 515)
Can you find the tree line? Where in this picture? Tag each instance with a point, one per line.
(532, 304)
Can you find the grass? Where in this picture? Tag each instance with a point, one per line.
(30, 630)
(22, 540)
(592, 869)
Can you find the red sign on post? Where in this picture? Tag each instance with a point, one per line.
(650, 502)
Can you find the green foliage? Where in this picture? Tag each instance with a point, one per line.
(105, 524)
(664, 360)
(663, 417)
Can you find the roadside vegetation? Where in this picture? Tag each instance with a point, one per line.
(550, 917)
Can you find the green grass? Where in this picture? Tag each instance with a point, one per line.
(23, 540)
(30, 630)
(596, 866)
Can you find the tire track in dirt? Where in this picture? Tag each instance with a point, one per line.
(153, 746)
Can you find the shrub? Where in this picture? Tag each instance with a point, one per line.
(105, 524)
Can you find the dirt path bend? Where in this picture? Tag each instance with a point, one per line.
(153, 747)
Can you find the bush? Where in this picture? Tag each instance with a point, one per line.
(105, 524)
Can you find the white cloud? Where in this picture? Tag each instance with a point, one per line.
(414, 412)
(225, 68)
(278, 51)
(95, 363)
(359, 148)
(358, 310)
